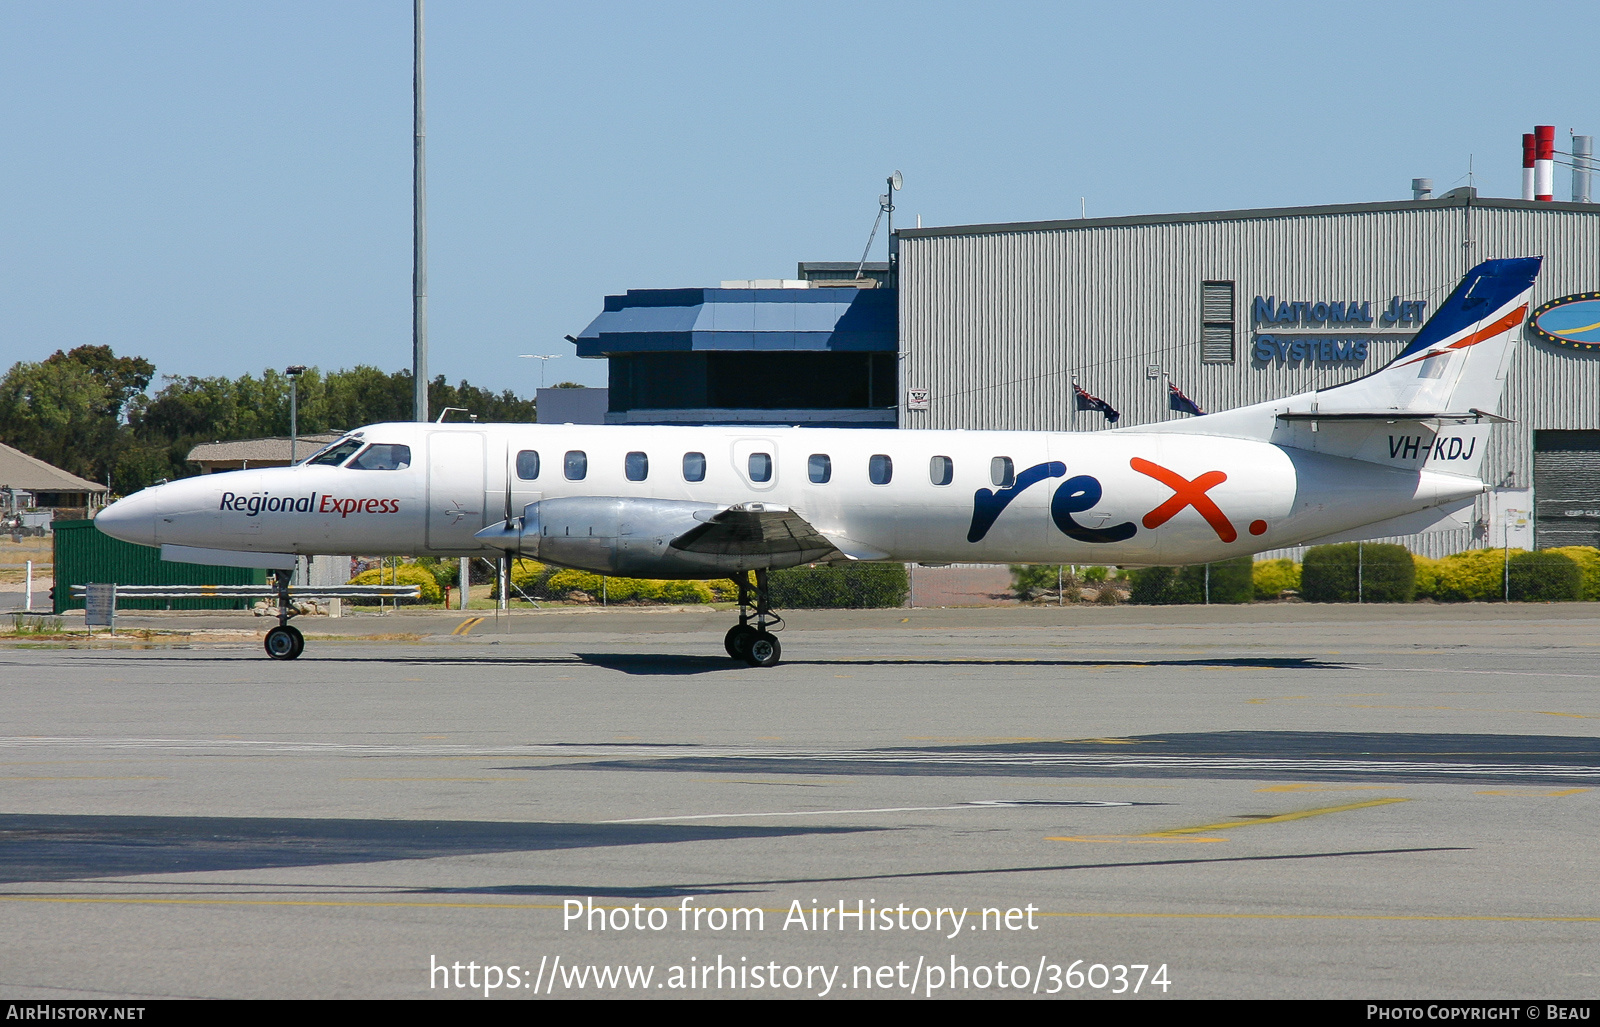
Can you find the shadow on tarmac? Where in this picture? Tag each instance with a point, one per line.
(674, 665)
(1253, 755)
(41, 847)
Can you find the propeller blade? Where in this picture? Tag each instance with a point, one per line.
(508, 482)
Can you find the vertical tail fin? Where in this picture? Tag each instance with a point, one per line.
(1457, 362)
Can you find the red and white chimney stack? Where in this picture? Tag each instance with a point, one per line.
(1544, 163)
(1529, 149)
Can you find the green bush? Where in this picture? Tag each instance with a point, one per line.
(1374, 572)
(565, 582)
(1588, 560)
(1028, 578)
(1428, 573)
(1231, 580)
(528, 575)
(1545, 577)
(685, 592)
(622, 590)
(1152, 586)
(853, 586)
(1095, 575)
(1271, 578)
(445, 572)
(1475, 576)
(405, 574)
(1230, 583)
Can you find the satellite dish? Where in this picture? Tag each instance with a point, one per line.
(896, 181)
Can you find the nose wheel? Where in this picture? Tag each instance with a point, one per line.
(749, 642)
(284, 642)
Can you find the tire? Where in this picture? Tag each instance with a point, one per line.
(763, 650)
(737, 641)
(284, 643)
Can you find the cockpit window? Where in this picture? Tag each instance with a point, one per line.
(337, 453)
(382, 456)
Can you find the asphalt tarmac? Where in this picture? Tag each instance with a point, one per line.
(1273, 801)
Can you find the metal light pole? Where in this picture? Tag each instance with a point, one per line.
(294, 371)
(419, 236)
(543, 359)
(895, 182)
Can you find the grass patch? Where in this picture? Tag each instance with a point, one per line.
(25, 625)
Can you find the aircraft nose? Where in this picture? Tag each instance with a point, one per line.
(132, 519)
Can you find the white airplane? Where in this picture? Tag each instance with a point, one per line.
(1394, 452)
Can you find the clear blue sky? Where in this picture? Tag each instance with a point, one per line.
(221, 187)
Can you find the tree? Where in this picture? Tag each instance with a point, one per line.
(68, 408)
(87, 410)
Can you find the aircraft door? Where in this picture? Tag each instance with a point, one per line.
(455, 490)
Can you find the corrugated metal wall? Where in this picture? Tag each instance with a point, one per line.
(84, 553)
(996, 320)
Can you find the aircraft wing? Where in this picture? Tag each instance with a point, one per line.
(751, 529)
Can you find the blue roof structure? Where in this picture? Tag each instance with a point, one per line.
(832, 319)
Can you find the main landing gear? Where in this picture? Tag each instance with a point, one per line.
(284, 642)
(753, 643)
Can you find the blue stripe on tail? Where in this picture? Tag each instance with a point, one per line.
(1485, 289)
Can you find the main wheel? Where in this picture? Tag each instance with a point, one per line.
(763, 650)
(284, 643)
(737, 641)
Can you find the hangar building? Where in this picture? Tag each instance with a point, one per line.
(998, 323)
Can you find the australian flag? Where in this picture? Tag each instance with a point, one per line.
(1176, 400)
(1088, 402)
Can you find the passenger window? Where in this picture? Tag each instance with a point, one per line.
(760, 466)
(335, 455)
(527, 465)
(576, 465)
(694, 467)
(941, 470)
(819, 468)
(1002, 472)
(880, 469)
(383, 457)
(637, 466)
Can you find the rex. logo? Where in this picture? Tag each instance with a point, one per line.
(1082, 492)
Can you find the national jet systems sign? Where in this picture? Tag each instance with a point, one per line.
(1281, 345)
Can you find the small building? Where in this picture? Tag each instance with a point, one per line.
(572, 406)
(28, 482)
(817, 350)
(245, 453)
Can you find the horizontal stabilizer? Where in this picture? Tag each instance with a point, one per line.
(1473, 416)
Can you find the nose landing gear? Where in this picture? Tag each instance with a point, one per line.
(284, 642)
(754, 644)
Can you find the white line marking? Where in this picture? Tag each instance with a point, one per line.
(982, 804)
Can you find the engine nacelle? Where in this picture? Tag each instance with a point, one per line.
(630, 538)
